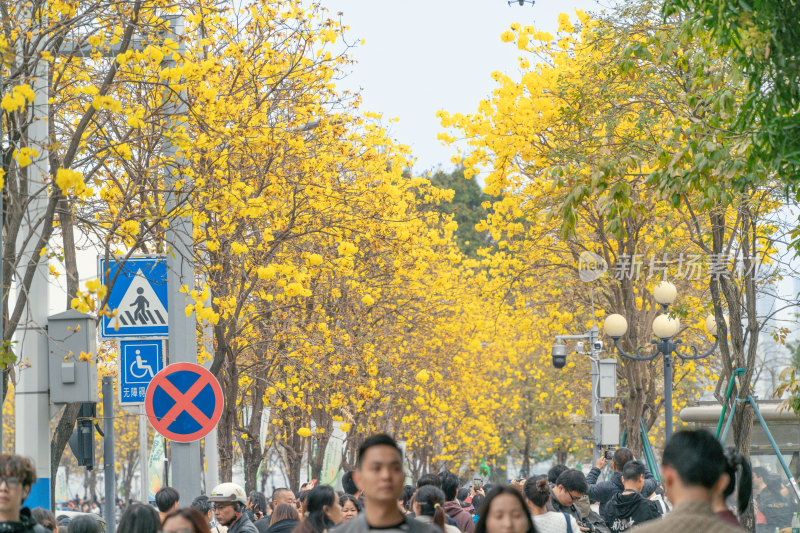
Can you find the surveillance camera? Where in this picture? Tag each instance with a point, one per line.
(559, 353)
(579, 347)
(597, 345)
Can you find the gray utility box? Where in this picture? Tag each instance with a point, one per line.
(607, 387)
(606, 430)
(72, 380)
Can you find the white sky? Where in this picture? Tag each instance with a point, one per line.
(421, 56)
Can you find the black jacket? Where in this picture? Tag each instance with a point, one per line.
(283, 526)
(26, 524)
(603, 491)
(243, 525)
(624, 511)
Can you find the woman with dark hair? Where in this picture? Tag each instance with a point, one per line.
(537, 493)
(429, 508)
(322, 511)
(477, 503)
(504, 511)
(300, 502)
(404, 503)
(139, 518)
(695, 468)
(83, 524)
(738, 469)
(185, 520)
(350, 507)
(257, 510)
(284, 519)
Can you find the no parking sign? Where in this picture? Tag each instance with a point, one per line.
(184, 402)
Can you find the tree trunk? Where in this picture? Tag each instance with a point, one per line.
(61, 435)
(742, 432)
(66, 423)
(252, 451)
(92, 485)
(263, 485)
(319, 458)
(294, 445)
(561, 456)
(229, 380)
(526, 456)
(741, 309)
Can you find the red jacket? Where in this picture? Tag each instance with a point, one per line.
(462, 517)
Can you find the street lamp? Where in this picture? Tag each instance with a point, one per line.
(664, 328)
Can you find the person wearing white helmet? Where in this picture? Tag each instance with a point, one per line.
(229, 502)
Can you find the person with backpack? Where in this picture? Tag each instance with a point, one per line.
(537, 492)
(627, 508)
(568, 489)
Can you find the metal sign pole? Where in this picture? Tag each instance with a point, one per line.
(186, 465)
(108, 455)
(32, 390)
(144, 459)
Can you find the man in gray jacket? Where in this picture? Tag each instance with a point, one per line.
(379, 474)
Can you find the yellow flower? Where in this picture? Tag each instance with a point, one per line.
(564, 24)
(345, 426)
(70, 181)
(423, 376)
(507, 36)
(304, 432)
(347, 249)
(25, 156)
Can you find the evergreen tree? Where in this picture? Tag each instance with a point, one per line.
(466, 207)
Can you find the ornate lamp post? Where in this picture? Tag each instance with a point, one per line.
(664, 328)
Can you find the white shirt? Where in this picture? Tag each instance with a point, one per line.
(552, 522)
(429, 520)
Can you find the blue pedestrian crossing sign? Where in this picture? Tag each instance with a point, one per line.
(138, 297)
(140, 361)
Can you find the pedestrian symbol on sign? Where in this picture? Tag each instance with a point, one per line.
(141, 303)
(137, 298)
(140, 307)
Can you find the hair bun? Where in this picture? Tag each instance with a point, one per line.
(542, 486)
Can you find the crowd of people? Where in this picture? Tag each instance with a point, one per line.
(699, 478)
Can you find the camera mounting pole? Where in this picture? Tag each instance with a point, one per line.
(606, 426)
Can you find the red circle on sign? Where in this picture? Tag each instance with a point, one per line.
(183, 402)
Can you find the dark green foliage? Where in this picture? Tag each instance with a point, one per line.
(465, 207)
(764, 38)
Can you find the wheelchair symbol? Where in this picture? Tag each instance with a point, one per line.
(143, 369)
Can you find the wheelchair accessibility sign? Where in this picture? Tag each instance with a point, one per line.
(140, 361)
